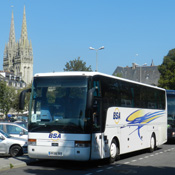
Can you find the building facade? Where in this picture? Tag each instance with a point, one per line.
(18, 56)
(144, 74)
(12, 80)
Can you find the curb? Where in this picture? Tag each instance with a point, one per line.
(7, 163)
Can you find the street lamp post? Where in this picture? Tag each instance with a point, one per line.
(91, 48)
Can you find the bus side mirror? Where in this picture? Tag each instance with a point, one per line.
(22, 98)
(90, 97)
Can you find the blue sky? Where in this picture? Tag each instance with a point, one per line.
(63, 30)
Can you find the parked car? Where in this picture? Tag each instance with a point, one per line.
(21, 123)
(12, 145)
(15, 130)
(22, 118)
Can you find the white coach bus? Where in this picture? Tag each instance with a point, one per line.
(89, 115)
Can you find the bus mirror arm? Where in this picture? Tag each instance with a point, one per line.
(22, 98)
(90, 97)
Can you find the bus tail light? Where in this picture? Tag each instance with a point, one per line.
(32, 142)
(82, 144)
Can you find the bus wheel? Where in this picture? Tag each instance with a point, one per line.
(114, 151)
(152, 143)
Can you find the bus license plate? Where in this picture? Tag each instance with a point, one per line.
(55, 154)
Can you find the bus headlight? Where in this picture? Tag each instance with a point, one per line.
(82, 144)
(173, 134)
(32, 142)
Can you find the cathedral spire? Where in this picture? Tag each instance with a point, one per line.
(152, 63)
(18, 56)
(12, 31)
(24, 37)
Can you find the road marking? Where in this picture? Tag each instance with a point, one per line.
(126, 163)
(133, 160)
(99, 166)
(109, 168)
(118, 165)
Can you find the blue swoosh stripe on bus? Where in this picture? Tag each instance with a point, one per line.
(141, 121)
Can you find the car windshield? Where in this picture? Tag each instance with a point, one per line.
(59, 103)
(5, 134)
(23, 124)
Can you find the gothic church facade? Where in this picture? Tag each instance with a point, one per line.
(18, 56)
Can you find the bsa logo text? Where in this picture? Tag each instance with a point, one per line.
(55, 135)
(116, 115)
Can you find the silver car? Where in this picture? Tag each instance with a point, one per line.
(14, 130)
(12, 145)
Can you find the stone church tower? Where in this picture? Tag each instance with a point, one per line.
(18, 56)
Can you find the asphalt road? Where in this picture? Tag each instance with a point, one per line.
(160, 162)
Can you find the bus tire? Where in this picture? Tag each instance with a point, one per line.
(114, 151)
(152, 143)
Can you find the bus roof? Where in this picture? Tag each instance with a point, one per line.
(170, 92)
(83, 73)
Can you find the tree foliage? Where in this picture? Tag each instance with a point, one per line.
(15, 104)
(118, 75)
(167, 71)
(7, 95)
(77, 65)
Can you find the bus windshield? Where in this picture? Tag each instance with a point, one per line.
(171, 110)
(59, 103)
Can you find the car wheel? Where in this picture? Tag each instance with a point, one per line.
(16, 150)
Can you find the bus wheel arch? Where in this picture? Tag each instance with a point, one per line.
(114, 150)
(152, 142)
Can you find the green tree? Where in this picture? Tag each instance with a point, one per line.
(118, 75)
(77, 65)
(15, 104)
(167, 71)
(6, 97)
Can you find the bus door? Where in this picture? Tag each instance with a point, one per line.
(98, 146)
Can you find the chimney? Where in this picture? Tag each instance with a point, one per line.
(133, 65)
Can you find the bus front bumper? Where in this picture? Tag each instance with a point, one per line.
(59, 153)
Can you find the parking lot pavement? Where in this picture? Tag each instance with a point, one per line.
(7, 162)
